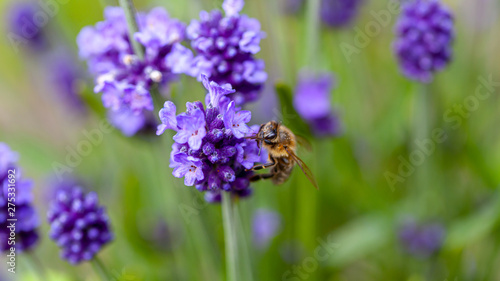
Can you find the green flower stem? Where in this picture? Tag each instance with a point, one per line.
(100, 269)
(246, 265)
(421, 112)
(130, 13)
(312, 33)
(157, 100)
(232, 260)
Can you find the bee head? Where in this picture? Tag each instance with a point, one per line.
(269, 132)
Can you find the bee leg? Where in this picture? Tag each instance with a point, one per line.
(260, 177)
(263, 166)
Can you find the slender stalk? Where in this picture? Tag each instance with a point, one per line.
(421, 119)
(36, 265)
(157, 100)
(230, 236)
(312, 35)
(246, 266)
(130, 13)
(100, 269)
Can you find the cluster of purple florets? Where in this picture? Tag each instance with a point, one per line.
(78, 224)
(424, 39)
(225, 47)
(17, 191)
(210, 149)
(312, 100)
(24, 30)
(421, 240)
(123, 77)
(339, 13)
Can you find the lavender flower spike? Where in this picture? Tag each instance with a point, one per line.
(210, 150)
(12, 182)
(120, 75)
(339, 13)
(225, 49)
(78, 224)
(421, 240)
(424, 36)
(313, 103)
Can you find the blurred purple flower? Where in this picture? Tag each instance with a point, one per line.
(124, 79)
(424, 37)
(26, 215)
(265, 226)
(421, 240)
(225, 49)
(312, 101)
(210, 150)
(22, 25)
(78, 225)
(339, 13)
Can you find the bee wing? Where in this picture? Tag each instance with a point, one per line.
(303, 142)
(302, 166)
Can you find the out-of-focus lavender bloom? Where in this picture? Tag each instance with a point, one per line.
(424, 37)
(312, 101)
(265, 226)
(421, 240)
(225, 49)
(124, 79)
(78, 224)
(25, 213)
(24, 30)
(339, 13)
(210, 150)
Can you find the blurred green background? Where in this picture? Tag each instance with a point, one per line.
(164, 231)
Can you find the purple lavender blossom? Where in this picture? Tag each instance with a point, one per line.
(421, 240)
(312, 101)
(339, 13)
(210, 150)
(225, 49)
(26, 215)
(23, 28)
(265, 226)
(424, 34)
(124, 79)
(78, 225)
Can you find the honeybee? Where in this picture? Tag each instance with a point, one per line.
(281, 144)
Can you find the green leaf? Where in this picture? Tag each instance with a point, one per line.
(474, 227)
(360, 238)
